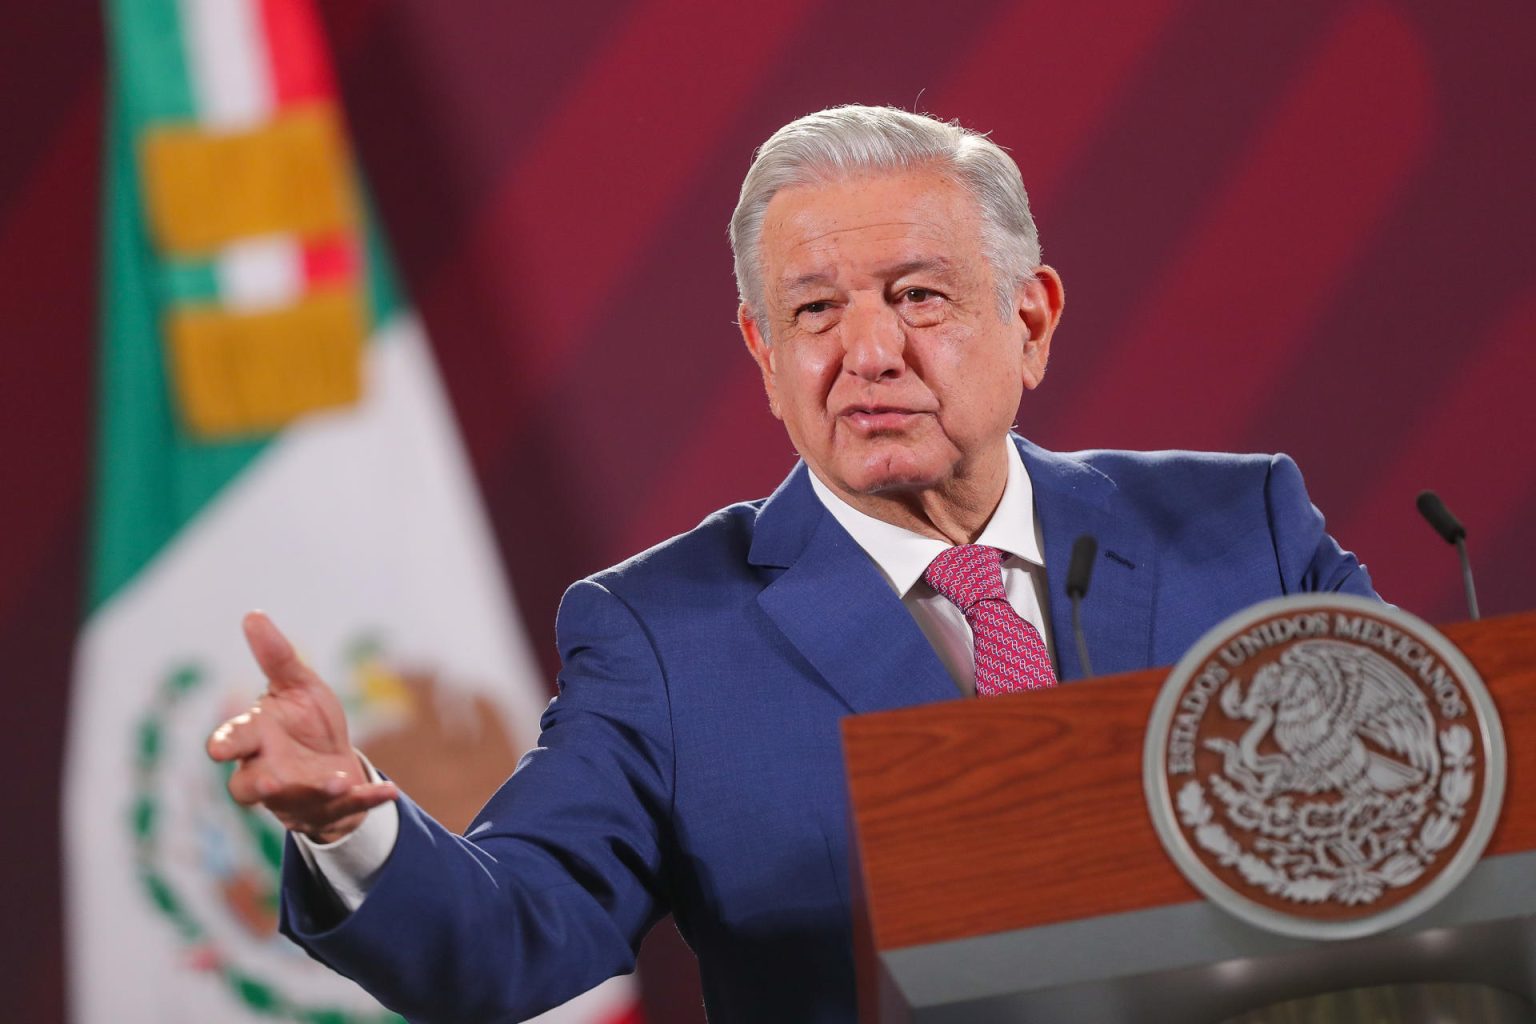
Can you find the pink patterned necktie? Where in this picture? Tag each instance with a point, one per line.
(1010, 655)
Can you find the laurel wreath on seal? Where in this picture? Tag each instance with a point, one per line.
(1352, 858)
(146, 820)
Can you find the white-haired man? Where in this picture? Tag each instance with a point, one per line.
(893, 296)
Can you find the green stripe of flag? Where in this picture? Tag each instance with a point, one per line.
(150, 478)
(189, 283)
(150, 54)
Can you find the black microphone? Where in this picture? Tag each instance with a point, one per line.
(1445, 524)
(1079, 570)
(1449, 527)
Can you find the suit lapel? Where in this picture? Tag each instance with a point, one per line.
(838, 611)
(1072, 499)
(840, 614)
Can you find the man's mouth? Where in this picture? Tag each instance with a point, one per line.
(874, 419)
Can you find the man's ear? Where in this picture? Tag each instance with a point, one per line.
(762, 354)
(1038, 304)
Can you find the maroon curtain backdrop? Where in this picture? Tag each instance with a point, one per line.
(1303, 227)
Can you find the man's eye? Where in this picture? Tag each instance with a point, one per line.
(813, 308)
(919, 294)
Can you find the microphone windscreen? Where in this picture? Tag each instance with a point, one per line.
(1437, 515)
(1084, 550)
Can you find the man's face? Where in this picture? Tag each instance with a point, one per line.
(889, 363)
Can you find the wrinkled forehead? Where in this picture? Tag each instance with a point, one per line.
(870, 224)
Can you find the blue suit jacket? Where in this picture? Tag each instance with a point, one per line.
(692, 761)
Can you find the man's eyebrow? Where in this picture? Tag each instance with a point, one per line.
(815, 277)
(929, 264)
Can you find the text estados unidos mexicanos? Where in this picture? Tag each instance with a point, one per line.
(1217, 670)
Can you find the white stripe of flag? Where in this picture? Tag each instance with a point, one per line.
(260, 273)
(227, 63)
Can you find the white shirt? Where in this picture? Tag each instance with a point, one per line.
(350, 864)
(902, 556)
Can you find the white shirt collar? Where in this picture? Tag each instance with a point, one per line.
(902, 556)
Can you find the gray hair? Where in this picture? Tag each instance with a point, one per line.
(843, 142)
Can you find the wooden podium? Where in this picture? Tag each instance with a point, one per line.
(1007, 869)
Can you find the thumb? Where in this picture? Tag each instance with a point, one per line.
(279, 662)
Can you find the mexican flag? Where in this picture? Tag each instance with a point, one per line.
(272, 433)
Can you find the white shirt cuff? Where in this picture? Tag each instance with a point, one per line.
(350, 864)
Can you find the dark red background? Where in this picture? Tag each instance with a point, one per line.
(1300, 226)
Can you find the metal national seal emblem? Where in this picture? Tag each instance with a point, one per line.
(1324, 766)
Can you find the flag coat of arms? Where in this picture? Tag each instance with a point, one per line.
(271, 433)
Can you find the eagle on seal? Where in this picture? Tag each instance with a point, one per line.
(1342, 717)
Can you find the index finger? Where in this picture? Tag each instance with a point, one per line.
(279, 662)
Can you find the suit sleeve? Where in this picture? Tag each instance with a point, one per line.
(1309, 559)
(561, 874)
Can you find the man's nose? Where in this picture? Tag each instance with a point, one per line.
(874, 342)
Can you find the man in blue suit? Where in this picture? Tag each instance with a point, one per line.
(893, 297)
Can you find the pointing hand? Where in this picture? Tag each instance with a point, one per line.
(292, 747)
